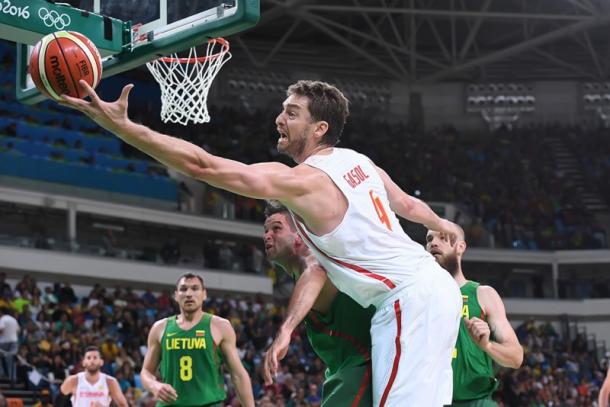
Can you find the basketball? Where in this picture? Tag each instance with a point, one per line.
(60, 59)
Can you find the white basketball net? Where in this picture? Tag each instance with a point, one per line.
(185, 82)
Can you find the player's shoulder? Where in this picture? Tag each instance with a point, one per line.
(486, 291)
(222, 325)
(220, 322)
(159, 326)
(488, 297)
(72, 378)
(110, 379)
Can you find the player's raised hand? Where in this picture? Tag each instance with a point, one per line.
(165, 392)
(451, 230)
(276, 352)
(479, 331)
(109, 115)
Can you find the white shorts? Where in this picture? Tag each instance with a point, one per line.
(413, 335)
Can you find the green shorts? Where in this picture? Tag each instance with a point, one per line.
(348, 385)
(486, 402)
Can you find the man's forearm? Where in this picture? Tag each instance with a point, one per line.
(507, 355)
(173, 152)
(243, 387)
(305, 293)
(148, 380)
(418, 211)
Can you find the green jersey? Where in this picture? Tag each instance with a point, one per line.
(473, 375)
(342, 337)
(191, 363)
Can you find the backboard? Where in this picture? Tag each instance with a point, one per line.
(128, 33)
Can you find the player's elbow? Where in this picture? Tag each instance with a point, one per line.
(517, 360)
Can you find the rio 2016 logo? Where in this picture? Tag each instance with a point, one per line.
(53, 19)
(11, 10)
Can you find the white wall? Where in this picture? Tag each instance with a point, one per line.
(71, 267)
(593, 314)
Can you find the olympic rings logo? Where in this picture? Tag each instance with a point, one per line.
(54, 19)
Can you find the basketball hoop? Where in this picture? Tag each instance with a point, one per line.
(185, 82)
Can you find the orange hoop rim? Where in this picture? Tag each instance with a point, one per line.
(225, 48)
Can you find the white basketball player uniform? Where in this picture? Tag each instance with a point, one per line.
(86, 393)
(370, 258)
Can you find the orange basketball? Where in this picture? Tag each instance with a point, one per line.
(59, 60)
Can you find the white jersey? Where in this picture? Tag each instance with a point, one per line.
(368, 254)
(86, 393)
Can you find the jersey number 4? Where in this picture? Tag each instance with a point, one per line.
(186, 368)
(381, 212)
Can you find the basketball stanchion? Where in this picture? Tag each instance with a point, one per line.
(185, 82)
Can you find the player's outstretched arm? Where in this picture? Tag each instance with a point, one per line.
(414, 209)
(261, 181)
(161, 391)
(115, 392)
(604, 392)
(504, 349)
(305, 293)
(239, 375)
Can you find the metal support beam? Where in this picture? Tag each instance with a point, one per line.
(248, 53)
(358, 33)
(321, 24)
(279, 11)
(474, 30)
(518, 48)
(594, 55)
(560, 62)
(281, 42)
(587, 7)
(413, 43)
(450, 13)
(439, 39)
(382, 41)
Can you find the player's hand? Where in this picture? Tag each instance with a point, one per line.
(96, 404)
(276, 352)
(109, 115)
(165, 392)
(450, 229)
(479, 331)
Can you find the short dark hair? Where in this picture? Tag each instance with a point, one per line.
(326, 103)
(92, 348)
(274, 206)
(188, 276)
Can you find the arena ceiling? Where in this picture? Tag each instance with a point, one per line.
(432, 40)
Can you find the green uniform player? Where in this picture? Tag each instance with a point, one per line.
(342, 340)
(190, 349)
(473, 373)
(337, 327)
(485, 335)
(183, 353)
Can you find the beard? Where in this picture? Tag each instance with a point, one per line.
(93, 369)
(450, 263)
(295, 147)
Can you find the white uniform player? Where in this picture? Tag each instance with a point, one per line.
(91, 394)
(417, 303)
(419, 325)
(91, 388)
